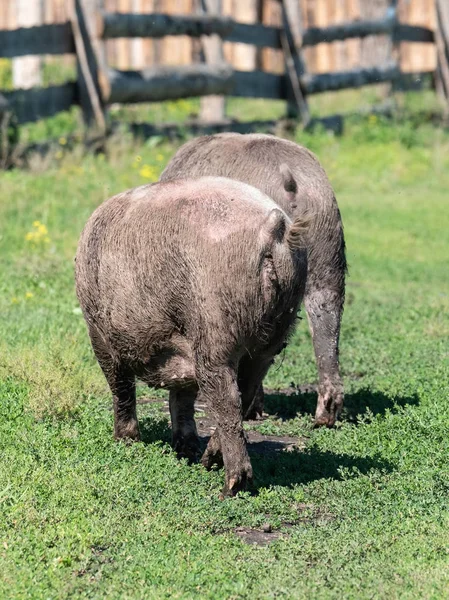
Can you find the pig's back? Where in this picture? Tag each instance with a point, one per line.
(254, 159)
(145, 254)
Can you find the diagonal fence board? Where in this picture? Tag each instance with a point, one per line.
(292, 43)
(442, 42)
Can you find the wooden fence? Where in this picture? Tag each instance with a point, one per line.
(136, 53)
(99, 85)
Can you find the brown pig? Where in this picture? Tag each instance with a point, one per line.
(191, 286)
(292, 176)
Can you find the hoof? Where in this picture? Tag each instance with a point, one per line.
(328, 408)
(187, 448)
(211, 458)
(127, 432)
(237, 483)
(324, 421)
(212, 455)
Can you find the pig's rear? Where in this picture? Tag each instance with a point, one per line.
(157, 268)
(192, 285)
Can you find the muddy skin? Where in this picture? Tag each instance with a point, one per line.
(191, 286)
(292, 176)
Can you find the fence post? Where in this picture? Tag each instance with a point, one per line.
(87, 69)
(26, 70)
(442, 44)
(212, 107)
(393, 11)
(291, 40)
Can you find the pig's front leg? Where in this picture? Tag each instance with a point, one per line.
(324, 310)
(184, 434)
(255, 409)
(219, 388)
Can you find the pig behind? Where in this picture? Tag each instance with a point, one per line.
(293, 177)
(192, 286)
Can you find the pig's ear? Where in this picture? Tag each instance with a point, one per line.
(273, 228)
(288, 181)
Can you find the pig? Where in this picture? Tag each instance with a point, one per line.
(292, 176)
(191, 286)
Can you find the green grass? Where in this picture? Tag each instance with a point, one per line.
(368, 502)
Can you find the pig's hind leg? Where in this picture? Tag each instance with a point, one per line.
(250, 376)
(122, 382)
(184, 434)
(324, 310)
(219, 388)
(123, 385)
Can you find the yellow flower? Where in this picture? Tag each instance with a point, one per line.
(59, 154)
(159, 157)
(62, 141)
(38, 235)
(138, 158)
(29, 295)
(148, 172)
(14, 300)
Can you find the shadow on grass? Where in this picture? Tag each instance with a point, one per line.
(300, 467)
(154, 430)
(275, 463)
(287, 404)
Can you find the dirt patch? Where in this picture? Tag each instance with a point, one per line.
(265, 535)
(258, 443)
(293, 390)
(258, 537)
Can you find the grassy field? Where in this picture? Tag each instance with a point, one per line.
(362, 510)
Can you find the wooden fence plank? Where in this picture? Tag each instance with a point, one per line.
(40, 103)
(158, 25)
(343, 31)
(41, 39)
(261, 36)
(259, 84)
(120, 25)
(176, 130)
(325, 82)
(413, 33)
(166, 83)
